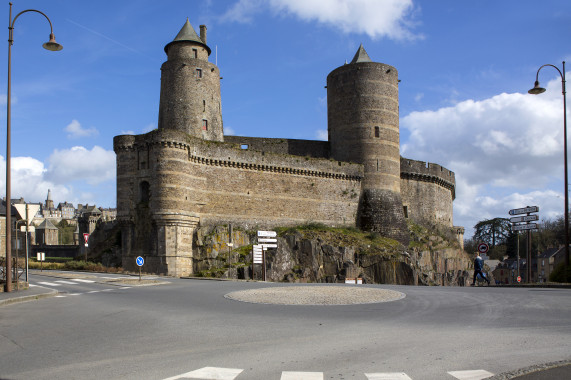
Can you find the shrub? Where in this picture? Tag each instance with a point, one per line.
(561, 274)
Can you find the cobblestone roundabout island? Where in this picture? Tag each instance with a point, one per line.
(316, 295)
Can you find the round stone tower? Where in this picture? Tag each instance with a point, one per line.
(363, 127)
(190, 87)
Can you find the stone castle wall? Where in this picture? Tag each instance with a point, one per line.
(311, 148)
(168, 182)
(427, 192)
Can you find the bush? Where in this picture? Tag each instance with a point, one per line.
(561, 274)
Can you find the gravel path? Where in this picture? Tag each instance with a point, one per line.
(316, 295)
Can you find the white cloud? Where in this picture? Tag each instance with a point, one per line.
(78, 163)
(28, 180)
(506, 152)
(75, 130)
(376, 18)
(149, 128)
(76, 175)
(321, 134)
(229, 131)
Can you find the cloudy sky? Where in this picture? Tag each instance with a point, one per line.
(465, 68)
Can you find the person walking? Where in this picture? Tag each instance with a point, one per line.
(478, 266)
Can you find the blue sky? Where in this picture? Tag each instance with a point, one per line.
(465, 68)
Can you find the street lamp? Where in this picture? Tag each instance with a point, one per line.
(51, 45)
(536, 90)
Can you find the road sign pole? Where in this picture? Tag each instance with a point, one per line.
(518, 273)
(528, 256)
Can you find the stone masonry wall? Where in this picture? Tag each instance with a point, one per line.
(427, 192)
(318, 149)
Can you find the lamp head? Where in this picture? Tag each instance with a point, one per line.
(536, 90)
(52, 45)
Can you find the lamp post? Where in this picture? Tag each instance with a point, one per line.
(51, 45)
(539, 90)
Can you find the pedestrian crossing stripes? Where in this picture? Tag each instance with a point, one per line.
(471, 375)
(388, 376)
(302, 375)
(214, 373)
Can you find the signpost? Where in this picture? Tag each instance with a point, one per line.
(524, 210)
(27, 212)
(266, 239)
(140, 261)
(41, 257)
(521, 223)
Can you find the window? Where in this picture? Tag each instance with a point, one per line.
(244, 146)
(198, 73)
(144, 192)
(377, 132)
(405, 210)
(194, 53)
(204, 125)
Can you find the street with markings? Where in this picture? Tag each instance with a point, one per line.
(107, 326)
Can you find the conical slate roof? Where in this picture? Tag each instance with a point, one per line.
(188, 34)
(361, 56)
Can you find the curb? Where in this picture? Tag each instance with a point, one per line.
(31, 297)
(531, 369)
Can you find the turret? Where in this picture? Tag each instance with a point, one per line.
(363, 126)
(190, 87)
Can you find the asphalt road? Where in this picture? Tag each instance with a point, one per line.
(98, 330)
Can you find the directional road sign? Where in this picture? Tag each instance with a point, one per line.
(140, 261)
(522, 227)
(267, 234)
(267, 240)
(525, 210)
(525, 218)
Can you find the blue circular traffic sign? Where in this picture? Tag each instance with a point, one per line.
(140, 261)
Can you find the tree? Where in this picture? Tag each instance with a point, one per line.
(493, 231)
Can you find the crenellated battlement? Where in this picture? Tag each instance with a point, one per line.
(428, 172)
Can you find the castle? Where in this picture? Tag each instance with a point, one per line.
(187, 173)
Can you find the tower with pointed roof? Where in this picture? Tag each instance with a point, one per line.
(177, 182)
(190, 87)
(363, 127)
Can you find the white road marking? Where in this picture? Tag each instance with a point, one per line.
(66, 282)
(107, 290)
(32, 285)
(288, 375)
(388, 376)
(49, 283)
(82, 280)
(125, 287)
(60, 296)
(478, 374)
(210, 373)
(75, 294)
(94, 291)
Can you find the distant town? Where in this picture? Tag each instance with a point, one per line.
(51, 225)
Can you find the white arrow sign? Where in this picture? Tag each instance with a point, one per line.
(267, 240)
(266, 246)
(526, 218)
(525, 210)
(521, 227)
(267, 234)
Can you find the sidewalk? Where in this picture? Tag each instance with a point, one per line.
(25, 295)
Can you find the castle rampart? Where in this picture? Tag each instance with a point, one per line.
(427, 192)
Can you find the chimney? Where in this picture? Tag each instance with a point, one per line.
(203, 33)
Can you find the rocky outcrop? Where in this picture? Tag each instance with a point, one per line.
(326, 256)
